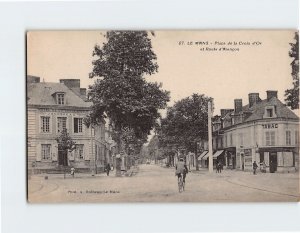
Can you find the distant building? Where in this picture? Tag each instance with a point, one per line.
(262, 131)
(52, 107)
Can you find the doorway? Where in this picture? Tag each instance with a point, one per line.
(273, 162)
(62, 158)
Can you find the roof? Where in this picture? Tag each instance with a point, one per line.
(43, 94)
(258, 110)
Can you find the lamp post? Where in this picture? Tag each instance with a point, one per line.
(210, 153)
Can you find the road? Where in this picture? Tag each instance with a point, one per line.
(153, 183)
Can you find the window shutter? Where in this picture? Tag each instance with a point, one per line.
(38, 152)
(54, 152)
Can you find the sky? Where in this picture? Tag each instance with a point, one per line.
(260, 64)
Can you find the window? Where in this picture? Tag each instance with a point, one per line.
(288, 137)
(45, 127)
(77, 125)
(79, 151)
(61, 124)
(241, 139)
(220, 144)
(296, 137)
(231, 140)
(46, 151)
(61, 99)
(289, 159)
(270, 138)
(225, 141)
(269, 112)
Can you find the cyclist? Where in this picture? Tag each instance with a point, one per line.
(181, 169)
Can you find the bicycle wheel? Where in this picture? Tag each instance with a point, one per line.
(180, 185)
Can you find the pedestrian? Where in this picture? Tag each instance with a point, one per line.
(72, 172)
(107, 168)
(254, 167)
(218, 166)
(263, 167)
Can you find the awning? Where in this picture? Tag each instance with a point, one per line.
(219, 152)
(215, 155)
(205, 156)
(203, 153)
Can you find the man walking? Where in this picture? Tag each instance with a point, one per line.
(255, 166)
(107, 168)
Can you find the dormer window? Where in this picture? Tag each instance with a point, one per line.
(60, 98)
(269, 112)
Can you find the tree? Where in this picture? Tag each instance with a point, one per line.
(185, 123)
(125, 52)
(292, 95)
(65, 145)
(121, 91)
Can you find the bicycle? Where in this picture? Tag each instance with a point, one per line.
(181, 183)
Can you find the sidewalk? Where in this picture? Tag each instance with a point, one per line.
(131, 172)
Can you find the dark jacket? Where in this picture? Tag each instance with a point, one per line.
(107, 167)
(255, 165)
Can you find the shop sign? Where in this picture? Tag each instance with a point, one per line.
(270, 126)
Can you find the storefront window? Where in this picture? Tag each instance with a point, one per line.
(280, 159)
(288, 159)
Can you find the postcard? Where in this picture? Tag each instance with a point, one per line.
(162, 116)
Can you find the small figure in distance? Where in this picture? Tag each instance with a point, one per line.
(254, 167)
(107, 168)
(263, 167)
(72, 172)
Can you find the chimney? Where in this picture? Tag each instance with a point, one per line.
(225, 111)
(73, 84)
(271, 94)
(238, 105)
(253, 98)
(83, 93)
(33, 79)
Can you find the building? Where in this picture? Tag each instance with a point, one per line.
(52, 107)
(262, 131)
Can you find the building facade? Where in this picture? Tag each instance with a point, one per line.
(51, 108)
(265, 131)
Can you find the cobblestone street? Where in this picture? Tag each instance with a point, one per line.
(153, 183)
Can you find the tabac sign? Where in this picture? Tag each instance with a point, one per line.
(270, 126)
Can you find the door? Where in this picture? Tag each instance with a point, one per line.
(273, 162)
(62, 158)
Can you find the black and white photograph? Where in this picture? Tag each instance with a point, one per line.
(162, 116)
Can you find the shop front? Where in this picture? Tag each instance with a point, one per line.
(278, 159)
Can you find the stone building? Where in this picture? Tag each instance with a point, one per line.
(262, 131)
(52, 107)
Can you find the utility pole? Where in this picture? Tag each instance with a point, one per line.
(210, 152)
